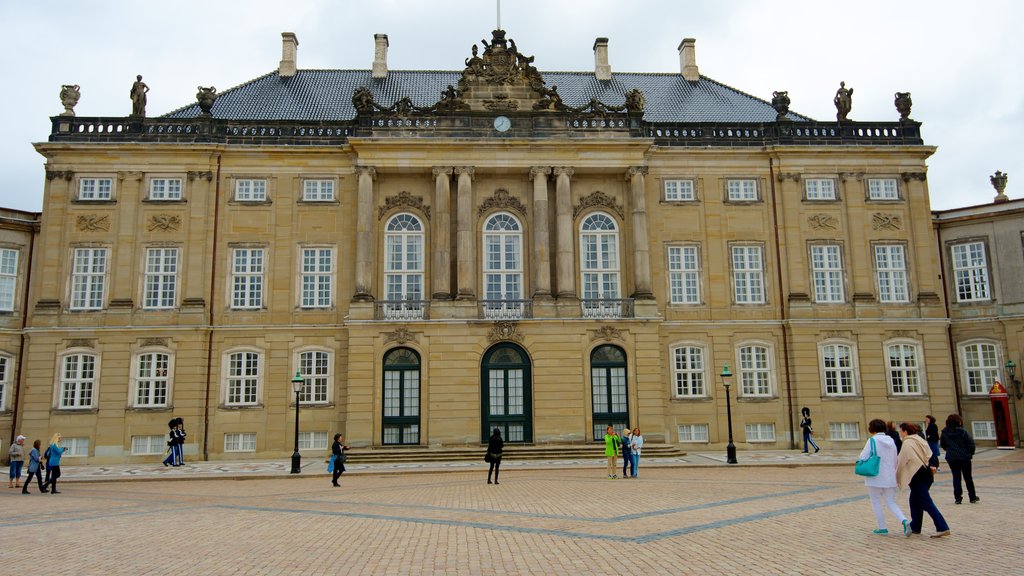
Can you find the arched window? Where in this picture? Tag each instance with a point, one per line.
(505, 393)
(152, 379)
(608, 389)
(401, 416)
(403, 267)
(980, 365)
(78, 376)
(838, 367)
(315, 367)
(5, 378)
(244, 376)
(503, 267)
(599, 267)
(904, 368)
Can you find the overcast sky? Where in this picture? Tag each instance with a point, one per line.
(959, 60)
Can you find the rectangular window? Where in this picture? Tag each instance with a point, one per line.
(747, 275)
(312, 440)
(984, 429)
(88, 277)
(243, 379)
(77, 382)
(882, 189)
(75, 447)
(843, 431)
(827, 270)
(244, 442)
(318, 190)
(679, 191)
(820, 189)
(981, 363)
(315, 369)
(693, 433)
(152, 379)
(161, 281)
(317, 270)
(247, 278)
(5, 374)
(760, 432)
(8, 278)
(904, 370)
(165, 189)
(250, 190)
(95, 188)
(970, 268)
(837, 365)
(688, 371)
(891, 271)
(684, 274)
(148, 445)
(755, 372)
(744, 190)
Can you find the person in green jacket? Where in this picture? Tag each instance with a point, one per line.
(612, 445)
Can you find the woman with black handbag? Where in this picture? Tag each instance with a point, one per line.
(916, 468)
(338, 458)
(495, 446)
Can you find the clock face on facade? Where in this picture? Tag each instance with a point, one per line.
(502, 123)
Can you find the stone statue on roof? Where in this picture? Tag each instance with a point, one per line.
(69, 95)
(138, 96)
(206, 96)
(780, 101)
(635, 101)
(843, 101)
(903, 104)
(362, 99)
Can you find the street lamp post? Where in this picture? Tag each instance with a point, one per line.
(297, 383)
(730, 450)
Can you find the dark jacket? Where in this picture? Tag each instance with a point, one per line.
(931, 433)
(895, 438)
(957, 443)
(495, 445)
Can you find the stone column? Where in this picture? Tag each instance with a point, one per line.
(364, 234)
(442, 261)
(541, 234)
(565, 264)
(464, 235)
(641, 248)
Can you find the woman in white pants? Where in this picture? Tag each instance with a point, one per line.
(882, 488)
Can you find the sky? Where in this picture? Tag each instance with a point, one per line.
(960, 61)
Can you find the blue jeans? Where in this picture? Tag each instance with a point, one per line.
(16, 469)
(628, 461)
(934, 445)
(808, 439)
(921, 502)
(636, 462)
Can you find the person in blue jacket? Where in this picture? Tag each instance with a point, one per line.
(55, 451)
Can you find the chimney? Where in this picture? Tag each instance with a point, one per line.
(380, 56)
(688, 60)
(602, 70)
(289, 50)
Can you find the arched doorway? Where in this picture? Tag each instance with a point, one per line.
(400, 422)
(505, 393)
(608, 389)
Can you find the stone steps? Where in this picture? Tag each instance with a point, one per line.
(379, 454)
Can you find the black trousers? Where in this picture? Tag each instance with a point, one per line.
(39, 480)
(338, 469)
(495, 467)
(962, 469)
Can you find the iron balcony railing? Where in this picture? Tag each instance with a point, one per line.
(506, 309)
(607, 307)
(402, 310)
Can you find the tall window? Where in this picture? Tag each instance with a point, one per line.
(318, 190)
(503, 263)
(250, 190)
(981, 366)
(77, 381)
(971, 272)
(161, 281)
(243, 378)
(747, 275)
(827, 267)
(599, 260)
(609, 389)
(684, 274)
(165, 189)
(403, 267)
(315, 368)
(883, 189)
(744, 190)
(688, 371)
(247, 278)
(5, 375)
(8, 278)
(317, 271)
(904, 369)
(88, 277)
(95, 188)
(401, 422)
(679, 191)
(891, 270)
(837, 366)
(820, 189)
(755, 371)
(152, 379)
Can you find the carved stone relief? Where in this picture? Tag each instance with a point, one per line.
(881, 221)
(60, 174)
(164, 222)
(501, 200)
(823, 222)
(919, 176)
(403, 200)
(81, 343)
(505, 331)
(93, 223)
(599, 199)
(192, 175)
(607, 333)
(147, 342)
(401, 336)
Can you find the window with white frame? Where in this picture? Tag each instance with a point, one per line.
(741, 190)
(755, 371)
(75, 447)
(8, 278)
(312, 440)
(161, 281)
(404, 265)
(891, 272)
(688, 371)
(5, 376)
(882, 189)
(760, 432)
(980, 366)
(837, 368)
(679, 191)
(88, 278)
(904, 369)
(983, 429)
(693, 433)
(152, 379)
(247, 277)
(240, 442)
(748, 275)
(318, 190)
(684, 274)
(77, 381)
(95, 188)
(250, 190)
(243, 379)
(315, 369)
(317, 275)
(820, 189)
(970, 269)
(148, 445)
(503, 264)
(840, 431)
(599, 262)
(827, 272)
(165, 189)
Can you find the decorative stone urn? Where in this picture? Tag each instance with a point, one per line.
(206, 97)
(69, 95)
(998, 181)
(903, 104)
(780, 101)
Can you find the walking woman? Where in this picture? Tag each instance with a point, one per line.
(805, 424)
(882, 488)
(16, 453)
(56, 450)
(637, 444)
(35, 468)
(611, 449)
(495, 446)
(338, 458)
(931, 434)
(915, 468)
(959, 447)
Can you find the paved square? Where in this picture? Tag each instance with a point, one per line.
(805, 519)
